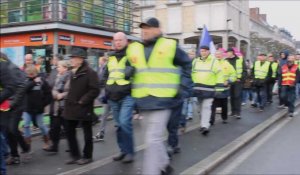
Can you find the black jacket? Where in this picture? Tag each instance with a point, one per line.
(12, 82)
(232, 61)
(84, 89)
(185, 63)
(38, 96)
(116, 92)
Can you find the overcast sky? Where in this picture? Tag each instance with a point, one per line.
(282, 13)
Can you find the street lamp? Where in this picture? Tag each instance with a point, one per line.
(226, 35)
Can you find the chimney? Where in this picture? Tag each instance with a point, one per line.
(263, 17)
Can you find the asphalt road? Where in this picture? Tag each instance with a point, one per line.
(195, 147)
(276, 151)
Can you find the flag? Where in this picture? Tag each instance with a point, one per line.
(206, 40)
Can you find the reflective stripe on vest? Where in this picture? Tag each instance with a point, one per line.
(239, 67)
(274, 69)
(158, 77)
(202, 71)
(116, 71)
(289, 75)
(261, 71)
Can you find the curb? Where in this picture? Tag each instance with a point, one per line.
(208, 164)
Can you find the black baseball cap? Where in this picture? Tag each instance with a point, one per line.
(150, 22)
(204, 47)
(78, 52)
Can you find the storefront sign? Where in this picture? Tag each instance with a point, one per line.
(84, 40)
(27, 39)
(108, 43)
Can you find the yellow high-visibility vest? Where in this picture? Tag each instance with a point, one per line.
(261, 71)
(274, 69)
(239, 67)
(158, 76)
(229, 73)
(116, 71)
(207, 74)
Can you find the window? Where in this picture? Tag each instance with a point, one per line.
(33, 10)
(87, 17)
(147, 2)
(14, 16)
(98, 13)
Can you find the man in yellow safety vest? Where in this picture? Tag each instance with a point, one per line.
(207, 76)
(262, 72)
(158, 86)
(237, 87)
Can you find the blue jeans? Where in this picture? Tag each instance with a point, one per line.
(173, 125)
(261, 96)
(122, 112)
(3, 151)
(297, 90)
(27, 117)
(247, 93)
(288, 94)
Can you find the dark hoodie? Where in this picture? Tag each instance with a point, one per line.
(184, 62)
(283, 61)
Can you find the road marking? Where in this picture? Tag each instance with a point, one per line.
(241, 158)
(107, 160)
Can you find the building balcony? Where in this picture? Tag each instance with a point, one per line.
(103, 14)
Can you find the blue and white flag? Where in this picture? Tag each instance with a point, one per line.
(206, 40)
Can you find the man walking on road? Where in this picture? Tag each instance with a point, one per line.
(118, 89)
(288, 78)
(207, 76)
(262, 72)
(222, 94)
(79, 105)
(158, 85)
(272, 80)
(237, 87)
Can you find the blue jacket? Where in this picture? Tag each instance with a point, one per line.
(185, 63)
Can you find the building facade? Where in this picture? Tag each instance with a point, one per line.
(227, 21)
(266, 38)
(47, 27)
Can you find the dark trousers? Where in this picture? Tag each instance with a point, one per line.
(261, 95)
(14, 136)
(173, 126)
(269, 89)
(72, 139)
(56, 123)
(219, 102)
(236, 98)
(288, 95)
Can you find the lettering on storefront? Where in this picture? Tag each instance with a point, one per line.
(107, 43)
(38, 38)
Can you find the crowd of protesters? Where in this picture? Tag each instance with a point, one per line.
(142, 77)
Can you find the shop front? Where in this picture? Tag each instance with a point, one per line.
(44, 44)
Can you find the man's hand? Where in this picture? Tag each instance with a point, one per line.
(226, 83)
(37, 79)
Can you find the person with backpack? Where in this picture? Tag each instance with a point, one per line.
(38, 96)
